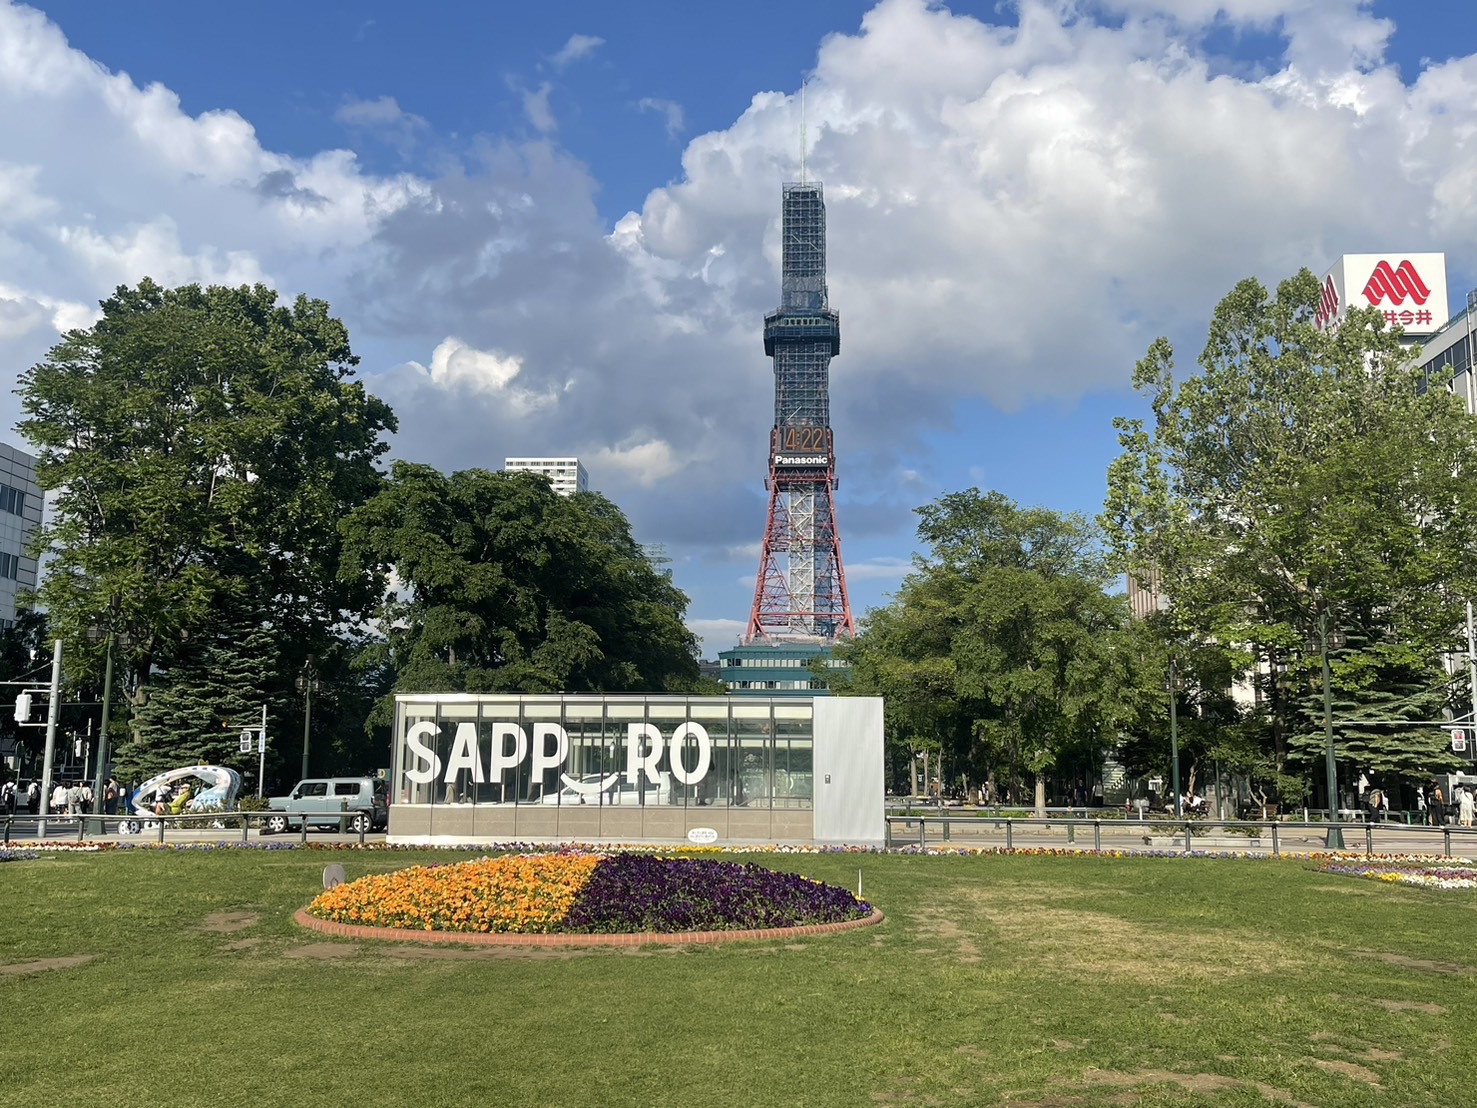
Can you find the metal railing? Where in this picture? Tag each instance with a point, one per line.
(14, 826)
(913, 829)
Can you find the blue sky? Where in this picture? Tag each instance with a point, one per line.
(551, 228)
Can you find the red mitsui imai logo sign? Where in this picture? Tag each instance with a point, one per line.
(1328, 304)
(1395, 284)
(1407, 288)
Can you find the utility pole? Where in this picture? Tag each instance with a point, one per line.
(53, 711)
(1174, 743)
(102, 732)
(261, 749)
(1335, 832)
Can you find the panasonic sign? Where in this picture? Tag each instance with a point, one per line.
(801, 459)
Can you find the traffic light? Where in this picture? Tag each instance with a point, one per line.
(23, 707)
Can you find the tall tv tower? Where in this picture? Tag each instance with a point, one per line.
(800, 595)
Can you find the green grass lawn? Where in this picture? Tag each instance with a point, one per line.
(1040, 981)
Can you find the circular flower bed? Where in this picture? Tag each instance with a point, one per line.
(577, 893)
(1430, 876)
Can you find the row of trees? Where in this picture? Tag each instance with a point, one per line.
(218, 505)
(1304, 489)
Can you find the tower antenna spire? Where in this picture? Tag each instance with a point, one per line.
(802, 131)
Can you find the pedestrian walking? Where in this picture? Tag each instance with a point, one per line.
(1464, 808)
(1438, 806)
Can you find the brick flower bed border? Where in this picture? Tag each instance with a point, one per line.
(637, 938)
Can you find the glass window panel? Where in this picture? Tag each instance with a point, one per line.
(408, 791)
(793, 784)
(712, 714)
(455, 788)
(752, 781)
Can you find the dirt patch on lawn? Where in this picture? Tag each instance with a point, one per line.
(242, 944)
(1404, 962)
(1348, 1069)
(1200, 1084)
(226, 923)
(940, 925)
(322, 952)
(476, 953)
(1410, 1006)
(1082, 943)
(41, 965)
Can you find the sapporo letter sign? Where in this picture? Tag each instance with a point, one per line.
(690, 749)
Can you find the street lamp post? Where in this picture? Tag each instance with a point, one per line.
(1174, 742)
(307, 684)
(1335, 832)
(102, 731)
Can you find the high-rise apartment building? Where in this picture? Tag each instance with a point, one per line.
(20, 518)
(567, 475)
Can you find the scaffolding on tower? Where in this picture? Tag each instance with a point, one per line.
(800, 594)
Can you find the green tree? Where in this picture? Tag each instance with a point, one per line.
(201, 446)
(1301, 474)
(506, 586)
(1385, 695)
(214, 687)
(1002, 643)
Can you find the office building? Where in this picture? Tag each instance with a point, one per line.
(566, 474)
(20, 519)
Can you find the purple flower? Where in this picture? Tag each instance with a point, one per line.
(642, 892)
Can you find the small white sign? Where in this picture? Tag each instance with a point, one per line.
(702, 835)
(261, 743)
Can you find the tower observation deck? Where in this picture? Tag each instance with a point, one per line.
(800, 594)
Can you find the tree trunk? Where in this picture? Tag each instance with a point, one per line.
(1041, 796)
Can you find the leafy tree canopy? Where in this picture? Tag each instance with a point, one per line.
(1302, 479)
(199, 442)
(505, 586)
(1000, 645)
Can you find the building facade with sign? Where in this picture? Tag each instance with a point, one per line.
(481, 768)
(1409, 289)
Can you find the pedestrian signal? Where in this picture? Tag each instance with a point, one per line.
(1458, 740)
(23, 707)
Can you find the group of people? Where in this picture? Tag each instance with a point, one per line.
(1437, 808)
(171, 800)
(74, 799)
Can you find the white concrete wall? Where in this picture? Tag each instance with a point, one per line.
(848, 770)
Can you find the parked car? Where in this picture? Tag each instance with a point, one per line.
(364, 799)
